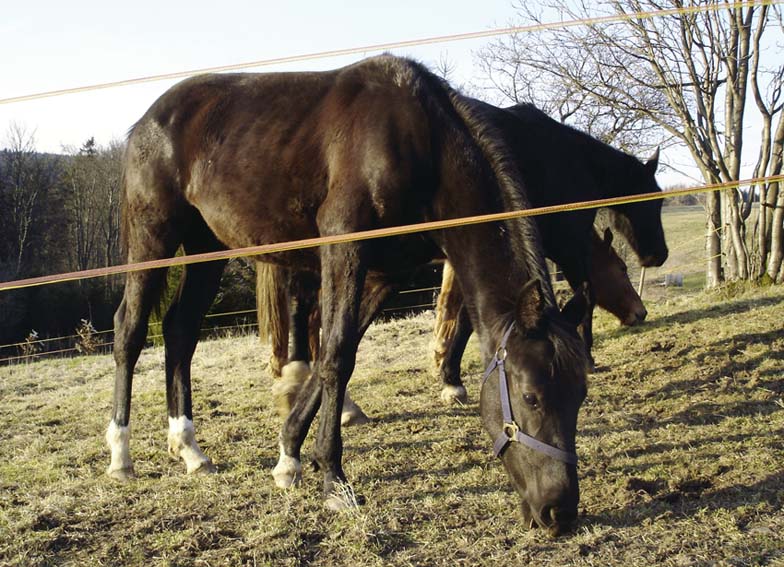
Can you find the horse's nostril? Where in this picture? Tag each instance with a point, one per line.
(550, 515)
(547, 515)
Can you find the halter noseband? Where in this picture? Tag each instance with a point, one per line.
(511, 431)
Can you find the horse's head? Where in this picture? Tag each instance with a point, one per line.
(529, 403)
(640, 222)
(610, 282)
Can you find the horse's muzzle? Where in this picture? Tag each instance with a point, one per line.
(635, 318)
(556, 521)
(654, 260)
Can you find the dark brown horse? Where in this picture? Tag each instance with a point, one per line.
(244, 159)
(559, 164)
(609, 279)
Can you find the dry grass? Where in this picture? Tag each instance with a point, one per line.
(680, 441)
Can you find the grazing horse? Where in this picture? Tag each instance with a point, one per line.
(608, 276)
(237, 160)
(559, 164)
(609, 279)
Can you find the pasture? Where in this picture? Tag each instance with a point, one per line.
(681, 443)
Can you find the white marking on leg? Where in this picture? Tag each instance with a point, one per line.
(182, 443)
(118, 438)
(454, 395)
(286, 388)
(288, 471)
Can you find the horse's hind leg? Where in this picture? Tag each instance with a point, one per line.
(198, 287)
(453, 390)
(287, 472)
(295, 370)
(142, 291)
(305, 331)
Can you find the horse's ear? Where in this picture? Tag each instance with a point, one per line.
(653, 162)
(530, 305)
(575, 309)
(608, 237)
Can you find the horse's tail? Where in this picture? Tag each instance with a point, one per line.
(450, 299)
(272, 310)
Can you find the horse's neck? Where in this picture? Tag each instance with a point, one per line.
(610, 170)
(488, 276)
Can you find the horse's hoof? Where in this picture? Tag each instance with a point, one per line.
(454, 395)
(122, 475)
(286, 480)
(287, 473)
(343, 498)
(355, 416)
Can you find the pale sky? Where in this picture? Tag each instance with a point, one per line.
(54, 45)
(50, 45)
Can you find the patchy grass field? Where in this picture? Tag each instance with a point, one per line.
(681, 441)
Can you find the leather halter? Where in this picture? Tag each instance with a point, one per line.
(511, 431)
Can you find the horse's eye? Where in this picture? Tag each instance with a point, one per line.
(531, 400)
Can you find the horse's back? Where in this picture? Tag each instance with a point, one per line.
(258, 154)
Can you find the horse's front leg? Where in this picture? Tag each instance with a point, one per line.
(343, 275)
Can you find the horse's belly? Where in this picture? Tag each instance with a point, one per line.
(242, 213)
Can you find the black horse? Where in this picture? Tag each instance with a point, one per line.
(559, 164)
(238, 160)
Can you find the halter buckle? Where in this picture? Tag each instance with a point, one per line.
(510, 430)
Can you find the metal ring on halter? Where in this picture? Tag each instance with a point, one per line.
(510, 430)
(501, 353)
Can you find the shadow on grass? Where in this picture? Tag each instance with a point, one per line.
(412, 416)
(653, 448)
(714, 311)
(689, 503)
(725, 352)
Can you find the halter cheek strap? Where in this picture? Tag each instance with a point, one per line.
(511, 431)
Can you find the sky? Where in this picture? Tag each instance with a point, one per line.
(50, 45)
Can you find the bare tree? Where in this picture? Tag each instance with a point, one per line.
(683, 79)
(25, 180)
(92, 180)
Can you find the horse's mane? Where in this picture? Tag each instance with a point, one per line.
(522, 233)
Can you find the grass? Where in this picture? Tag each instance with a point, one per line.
(680, 441)
(684, 227)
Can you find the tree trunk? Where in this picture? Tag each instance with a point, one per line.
(713, 277)
(777, 237)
